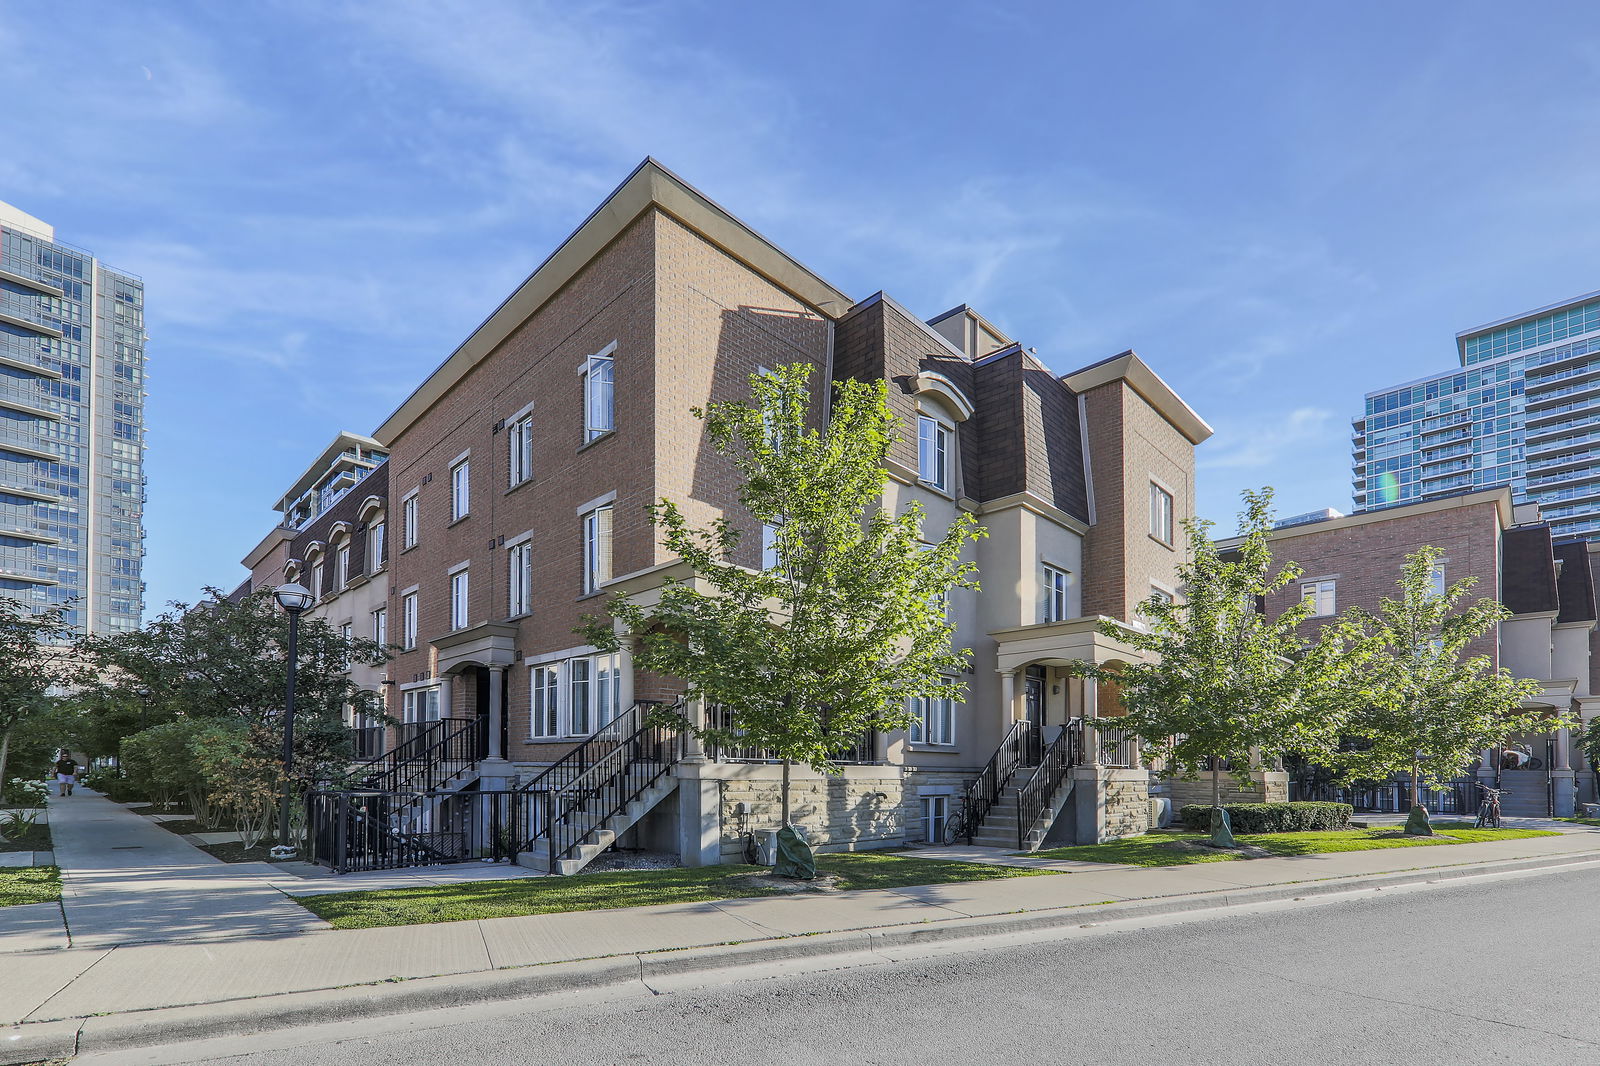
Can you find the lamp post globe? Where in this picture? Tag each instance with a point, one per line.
(293, 598)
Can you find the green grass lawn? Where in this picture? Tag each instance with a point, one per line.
(32, 884)
(1580, 821)
(628, 888)
(1167, 849)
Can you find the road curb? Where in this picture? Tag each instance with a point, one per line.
(34, 1041)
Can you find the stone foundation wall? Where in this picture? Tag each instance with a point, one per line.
(1272, 787)
(1127, 806)
(864, 807)
(921, 783)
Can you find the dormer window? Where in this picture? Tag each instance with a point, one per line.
(934, 440)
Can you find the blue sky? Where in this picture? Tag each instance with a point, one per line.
(1280, 206)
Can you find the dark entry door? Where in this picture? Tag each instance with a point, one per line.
(1033, 700)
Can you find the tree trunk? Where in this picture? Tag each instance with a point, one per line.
(785, 794)
(5, 753)
(1414, 790)
(1216, 781)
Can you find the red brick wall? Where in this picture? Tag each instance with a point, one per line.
(1365, 559)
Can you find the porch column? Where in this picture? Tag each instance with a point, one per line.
(447, 704)
(625, 675)
(694, 751)
(1563, 746)
(1008, 696)
(1091, 712)
(497, 711)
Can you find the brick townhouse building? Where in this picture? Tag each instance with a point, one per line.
(1547, 585)
(518, 477)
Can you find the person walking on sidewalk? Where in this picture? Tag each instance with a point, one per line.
(66, 772)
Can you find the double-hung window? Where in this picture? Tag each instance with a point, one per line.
(420, 707)
(575, 697)
(408, 522)
(341, 566)
(380, 626)
(1322, 596)
(375, 534)
(1160, 513)
(933, 452)
(599, 393)
(1055, 583)
(933, 720)
(519, 579)
(546, 688)
(460, 484)
(519, 437)
(408, 621)
(458, 600)
(316, 583)
(347, 633)
(769, 546)
(596, 548)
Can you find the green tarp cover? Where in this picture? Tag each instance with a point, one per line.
(794, 856)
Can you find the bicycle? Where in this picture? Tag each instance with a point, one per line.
(958, 827)
(1489, 809)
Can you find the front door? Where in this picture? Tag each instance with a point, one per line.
(1033, 700)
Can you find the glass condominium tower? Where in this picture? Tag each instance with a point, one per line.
(72, 484)
(1522, 410)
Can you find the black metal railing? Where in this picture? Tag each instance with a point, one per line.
(1118, 747)
(1038, 792)
(376, 830)
(570, 802)
(425, 761)
(1020, 747)
(1458, 796)
(366, 742)
(863, 751)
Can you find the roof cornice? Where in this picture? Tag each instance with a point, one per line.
(1147, 383)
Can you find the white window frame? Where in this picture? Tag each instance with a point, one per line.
(1162, 513)
(586, 691)
(347, 633)
(599, 393)
(935, 816)
(935, 451)
(769, 546)
(519, 578)
(460, 489)
(597, 547)
(460, 590)
(316, 582)
(408, 621)
(1323, 594)
(933, 722)
(380, 626)
(408, 521)
(341, 566)
(519, 445)
(419, 706)
(1055, 593)
(375, 536)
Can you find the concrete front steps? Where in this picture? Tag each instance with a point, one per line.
(538, 856)
(999, 829)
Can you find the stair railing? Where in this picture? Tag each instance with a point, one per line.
(1036, 794)
(547, 805)
(1020, 745)
(426, 761)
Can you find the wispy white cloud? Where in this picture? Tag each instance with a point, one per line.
(1305, 432)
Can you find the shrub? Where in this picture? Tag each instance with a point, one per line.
(1303, 817)
(20, 792)
(113, 784)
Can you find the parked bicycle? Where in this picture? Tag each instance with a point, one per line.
(1489, 809)
(959, 827)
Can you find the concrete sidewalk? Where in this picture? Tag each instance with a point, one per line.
(48, 994)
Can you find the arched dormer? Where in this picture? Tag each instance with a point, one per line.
(372, 506)
(338, 531)
(938, 385)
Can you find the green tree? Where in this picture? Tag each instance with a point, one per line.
(1223, 680)
(226, 661)
(847, 626)
(34, 659)
(1421, 704)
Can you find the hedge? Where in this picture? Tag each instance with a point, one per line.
(1270, 817)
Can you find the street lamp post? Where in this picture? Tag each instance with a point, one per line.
(293, 599)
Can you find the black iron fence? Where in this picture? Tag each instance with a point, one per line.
(425, 760)
(1118, 747)
(1457, 796)
(862, 752)
(1020, 747)
(376, 830)
(366, 742)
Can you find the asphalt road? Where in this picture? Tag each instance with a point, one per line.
(1488, 972)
